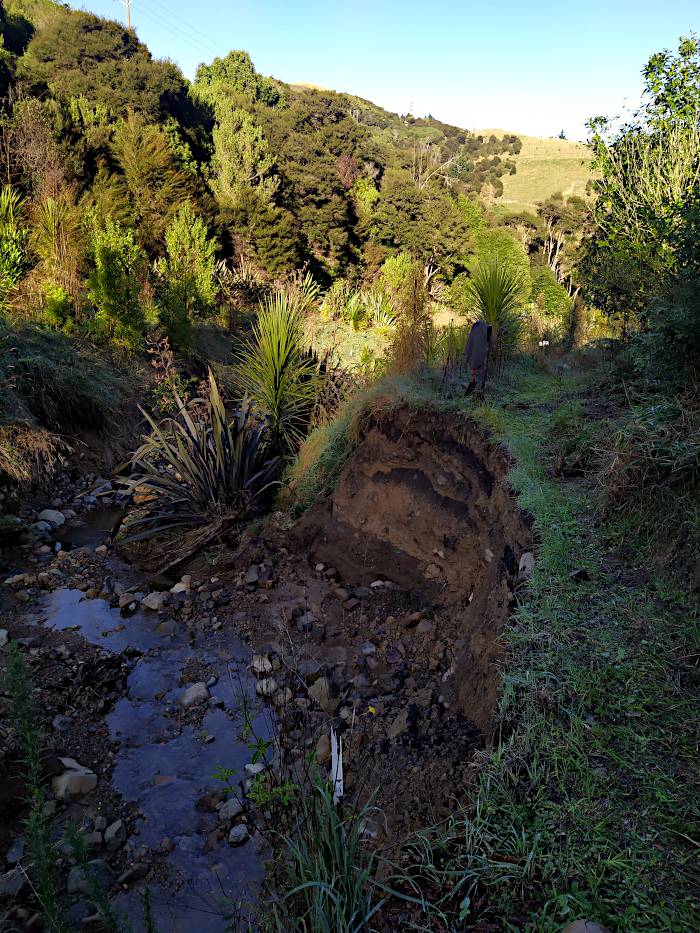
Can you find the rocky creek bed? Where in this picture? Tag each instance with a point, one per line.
(378, 613)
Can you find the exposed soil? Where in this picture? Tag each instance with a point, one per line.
(378, 613)
(393, 598)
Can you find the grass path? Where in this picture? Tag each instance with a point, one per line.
(588, 806)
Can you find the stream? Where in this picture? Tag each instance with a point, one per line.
(164, 764)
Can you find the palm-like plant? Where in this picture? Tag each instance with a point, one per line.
(201, 473)
(275, 370)
(495, 294)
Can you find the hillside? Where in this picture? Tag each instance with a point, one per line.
(544, 167)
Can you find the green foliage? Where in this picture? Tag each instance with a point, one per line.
(365, 196)
(75, 54)
(199, 471)
(157, 186)
(550, 295)
(14, 242)
(329, 871)
(59, 241)
(58, 307)
(495, 295)
(115, 284)
(642, 264)
(43, 865)
(275, 369)
(235, 75)
(188, 287)
(395, 273)
(242, 159)
(500, 243)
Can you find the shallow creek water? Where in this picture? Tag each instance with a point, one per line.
(162, 763)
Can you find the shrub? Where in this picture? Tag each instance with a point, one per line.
(414, 327)
(496, 296)
(187, 275)
(115, 283)
(58, 307)
(395, 273)
(14, 240)
(199, 470)
(275, 369)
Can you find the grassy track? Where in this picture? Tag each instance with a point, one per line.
(588, 806)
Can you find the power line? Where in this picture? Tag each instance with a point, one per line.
(188, 25)
(208, 49)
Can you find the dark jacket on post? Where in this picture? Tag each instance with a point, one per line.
(478, 345)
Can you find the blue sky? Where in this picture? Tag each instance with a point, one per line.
(526, 66)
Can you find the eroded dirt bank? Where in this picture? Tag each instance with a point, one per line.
(379, 612)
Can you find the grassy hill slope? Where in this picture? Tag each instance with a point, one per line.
(544, 167)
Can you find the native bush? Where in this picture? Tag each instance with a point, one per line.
(200, 470)
(188, 291)
(58, 307)
(496, 296)
(119, 264)
(275, 369)
(413, 336)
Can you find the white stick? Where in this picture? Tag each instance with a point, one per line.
(336, 765)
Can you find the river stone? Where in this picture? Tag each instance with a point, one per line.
(76, 781)
(11, 883)
(266, 687)
(78, 883)
(194, 695)
(252, 575)
(321, 692)
(156, 601)
(399, 725)
(526, 565)
(51, 515)
(230, 809)
(261, 665)
(254, 768)
(238, 835)
(4, 637)
(323, 749)
(115, 835)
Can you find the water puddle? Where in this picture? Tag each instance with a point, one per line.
(163, 764)
(90, 529)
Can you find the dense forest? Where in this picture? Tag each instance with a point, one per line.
(273, 286)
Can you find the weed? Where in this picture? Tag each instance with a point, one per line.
(43, 873)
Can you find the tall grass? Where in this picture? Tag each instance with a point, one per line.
(329, 878)
(276, 371)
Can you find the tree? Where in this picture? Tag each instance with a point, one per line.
(119, 265)
(636, 263)
(242, 159)
(187, 274)
(74, 53)
(235, 75)
(157, 186)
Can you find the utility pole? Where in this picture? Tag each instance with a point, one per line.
(127, 4)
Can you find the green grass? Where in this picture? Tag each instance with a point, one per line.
(587, 806)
